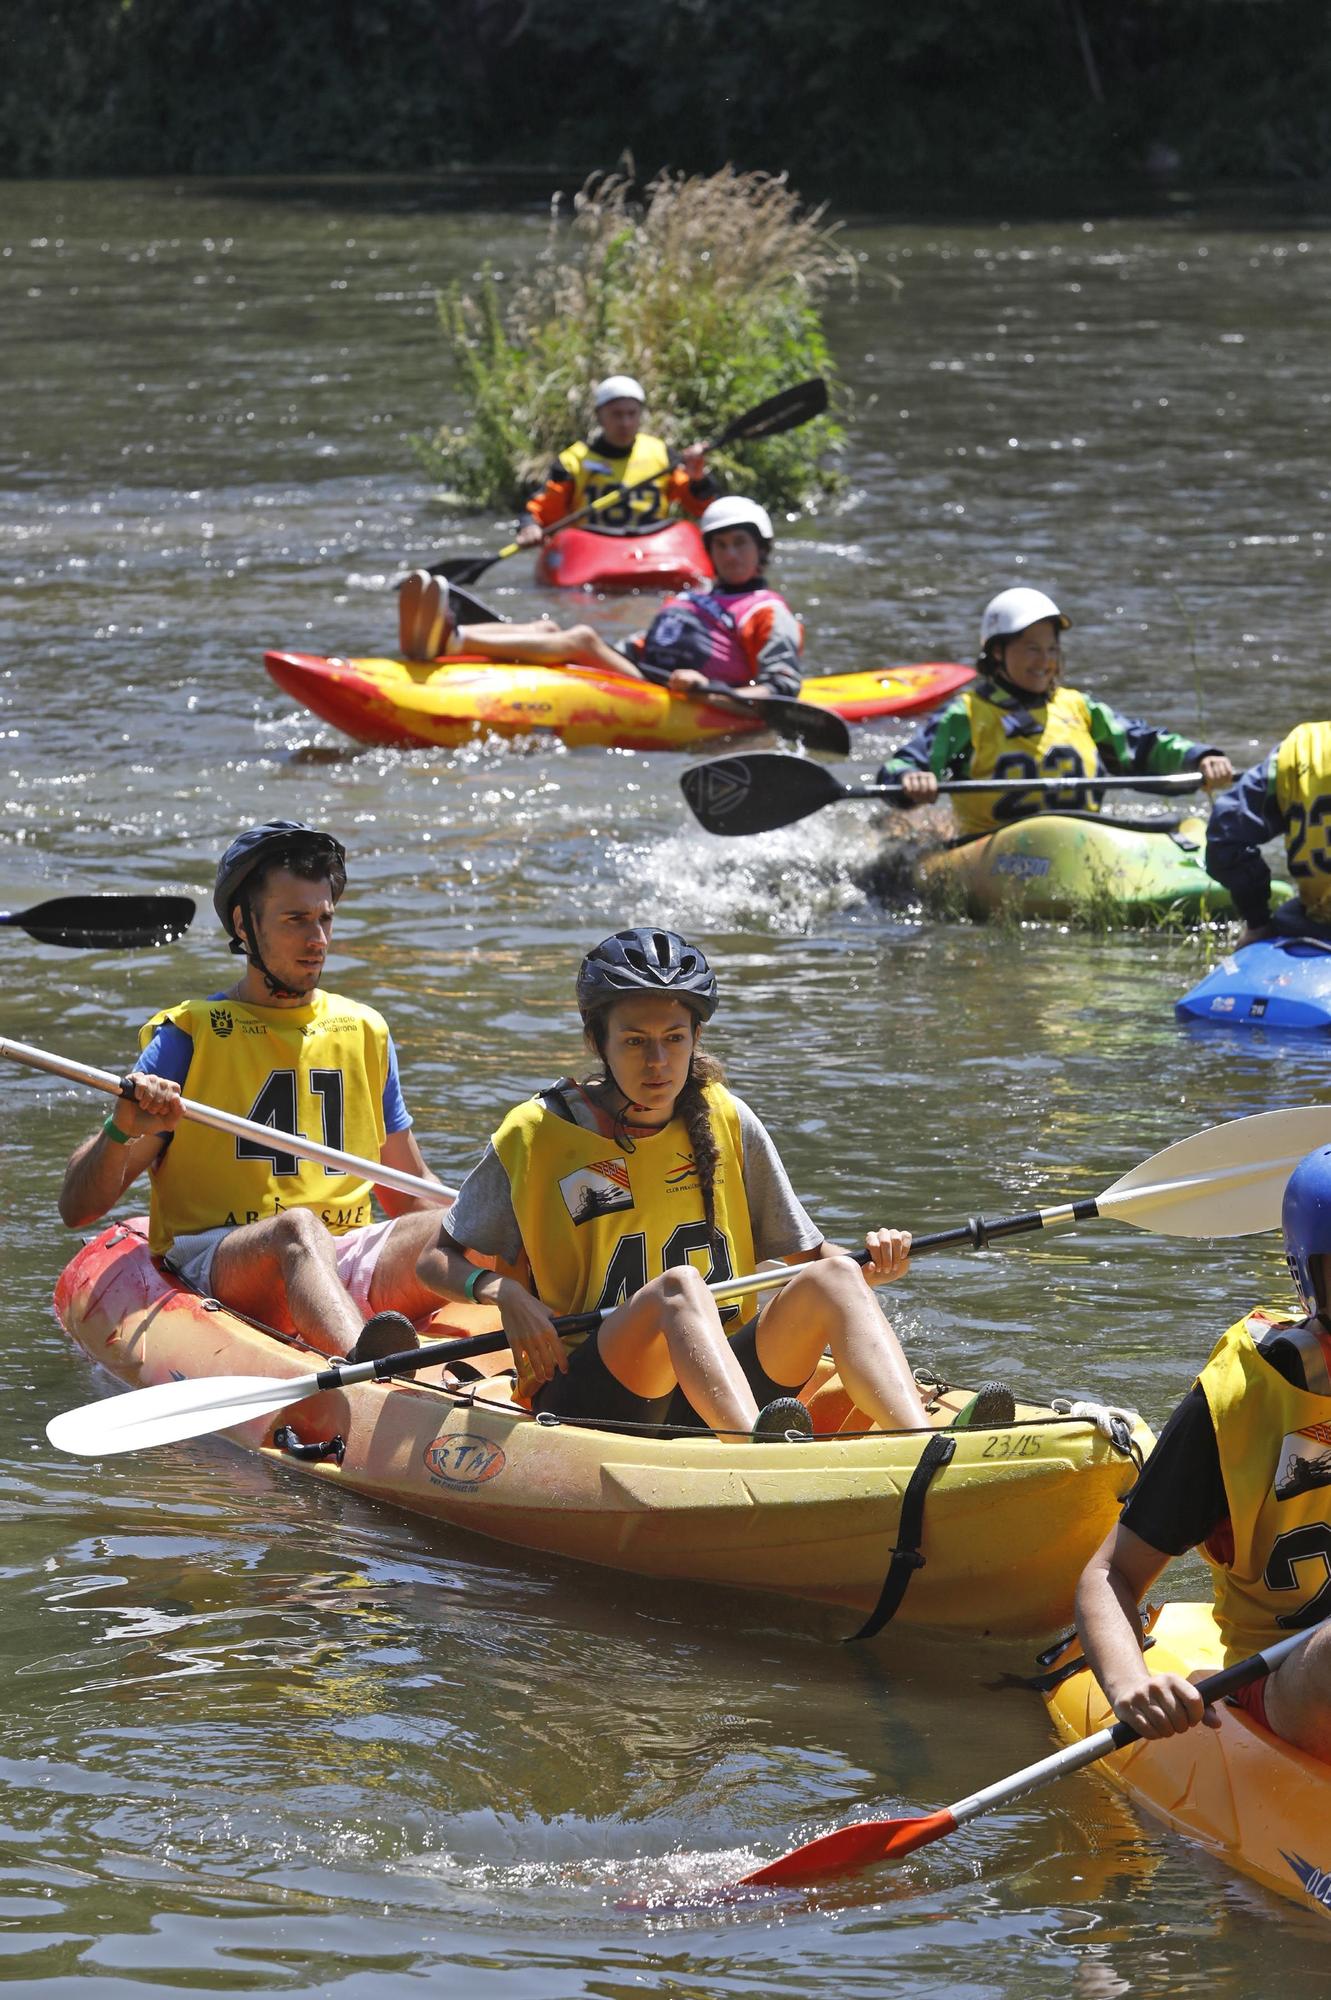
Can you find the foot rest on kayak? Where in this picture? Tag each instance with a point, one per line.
(287, 1441)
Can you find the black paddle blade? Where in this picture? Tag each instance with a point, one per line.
(734, 795)
(124, 923)
(785, 411)
(803, 722)
(469, 610)
(464, 569)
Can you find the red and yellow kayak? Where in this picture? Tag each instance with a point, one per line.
(668, 556)
(1254, 1801)
(1009, 1522)
(449, 702)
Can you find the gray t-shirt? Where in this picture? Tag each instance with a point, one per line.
(482, 1217)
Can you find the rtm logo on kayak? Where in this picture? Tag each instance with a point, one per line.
(1028, 866)
(1316, 1881)
(462, 1461)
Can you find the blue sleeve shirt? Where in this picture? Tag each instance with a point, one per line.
(1242, 819)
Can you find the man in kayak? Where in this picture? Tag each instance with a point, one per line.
(1240, 1472)
(607, 1190)
(1288, 794)
(737, 630)
(619, 453)
(1018, 721)
(289, 1242)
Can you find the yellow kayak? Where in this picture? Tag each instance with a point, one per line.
(1008, 1523)
(450, 702)
(1256, 1802)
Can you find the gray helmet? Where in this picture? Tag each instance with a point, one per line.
(276, 839)
(646, 961)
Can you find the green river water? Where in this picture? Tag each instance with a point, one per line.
(261, 1738)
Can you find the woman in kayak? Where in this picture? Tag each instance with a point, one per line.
(1020, 722)
(1288, 794)
(619, 453)
(1243, 1472)
(605, 1191)
(737, 630)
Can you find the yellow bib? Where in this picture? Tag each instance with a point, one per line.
(318, 1070)
(1275, 1458)
(595, 473)
(1303, 793)
(597, 1223)
(1063, 747)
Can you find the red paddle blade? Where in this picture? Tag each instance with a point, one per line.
(852, 1847)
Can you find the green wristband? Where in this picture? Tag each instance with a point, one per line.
(474, 1277)
(114, 1133)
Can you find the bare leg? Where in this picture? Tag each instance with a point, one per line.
(290, 1260)
(542, 644)
(828, 1303)
(1298, 1696)
(394, 1286)
(671, 1332)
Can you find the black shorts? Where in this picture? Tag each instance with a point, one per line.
(591, 1392)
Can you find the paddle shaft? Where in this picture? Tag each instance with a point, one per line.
(242, 1128)
(1176, 781)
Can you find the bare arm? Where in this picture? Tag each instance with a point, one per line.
(401, 1151)
(1112, 1585)
(100, 1169)
(537, 1348)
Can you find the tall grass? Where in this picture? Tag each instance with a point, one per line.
(706, 288)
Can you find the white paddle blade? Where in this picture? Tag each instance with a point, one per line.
(1226, 1181)
(172, 1411)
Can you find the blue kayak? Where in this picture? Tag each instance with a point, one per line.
(1282, 983)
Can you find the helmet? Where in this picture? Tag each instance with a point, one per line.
(1013, 610)
(275, 839)
(1306, 1220)
(615, 386)
(733, 512)
(646, 961)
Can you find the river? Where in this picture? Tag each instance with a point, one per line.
(262, 1738)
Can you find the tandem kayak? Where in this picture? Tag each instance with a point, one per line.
(1252, 1800)
(1279, 983)
(1008, 1523)
(401, 702)
(668, 556)
(1086, 866)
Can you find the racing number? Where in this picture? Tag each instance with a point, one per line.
(626, 1272)
(1306, 827)
(275, 1106)
(1061, 761)
(1311, 1543)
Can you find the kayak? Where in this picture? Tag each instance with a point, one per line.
(447, 703)
(1247, 1797)
(1086, 866)
(667, 556)
(1008, 1523)
(1282, 983)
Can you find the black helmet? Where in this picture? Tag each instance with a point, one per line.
(276, 840)
(646, 961)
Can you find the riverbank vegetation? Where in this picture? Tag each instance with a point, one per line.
(858, 101)
(704, 287)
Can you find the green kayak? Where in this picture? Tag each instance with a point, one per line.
(1090, 867)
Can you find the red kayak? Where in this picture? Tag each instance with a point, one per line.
(667, 556)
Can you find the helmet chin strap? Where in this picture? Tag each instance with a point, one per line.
(248, 949)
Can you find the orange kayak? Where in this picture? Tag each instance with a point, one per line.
(449, 702)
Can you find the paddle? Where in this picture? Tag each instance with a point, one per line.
(785, 411)
(796, 721)
(855, 1846)
(757, 793)
(1227, 1181)
(124, 923)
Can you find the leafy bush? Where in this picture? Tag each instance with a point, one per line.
(706, 288)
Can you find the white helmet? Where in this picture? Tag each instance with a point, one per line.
(733, 512)
(615, 386)
(1013, 610)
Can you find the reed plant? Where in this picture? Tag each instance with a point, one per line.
(707, 288)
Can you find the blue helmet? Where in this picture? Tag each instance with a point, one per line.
(646, 961)
(1306, 1220)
